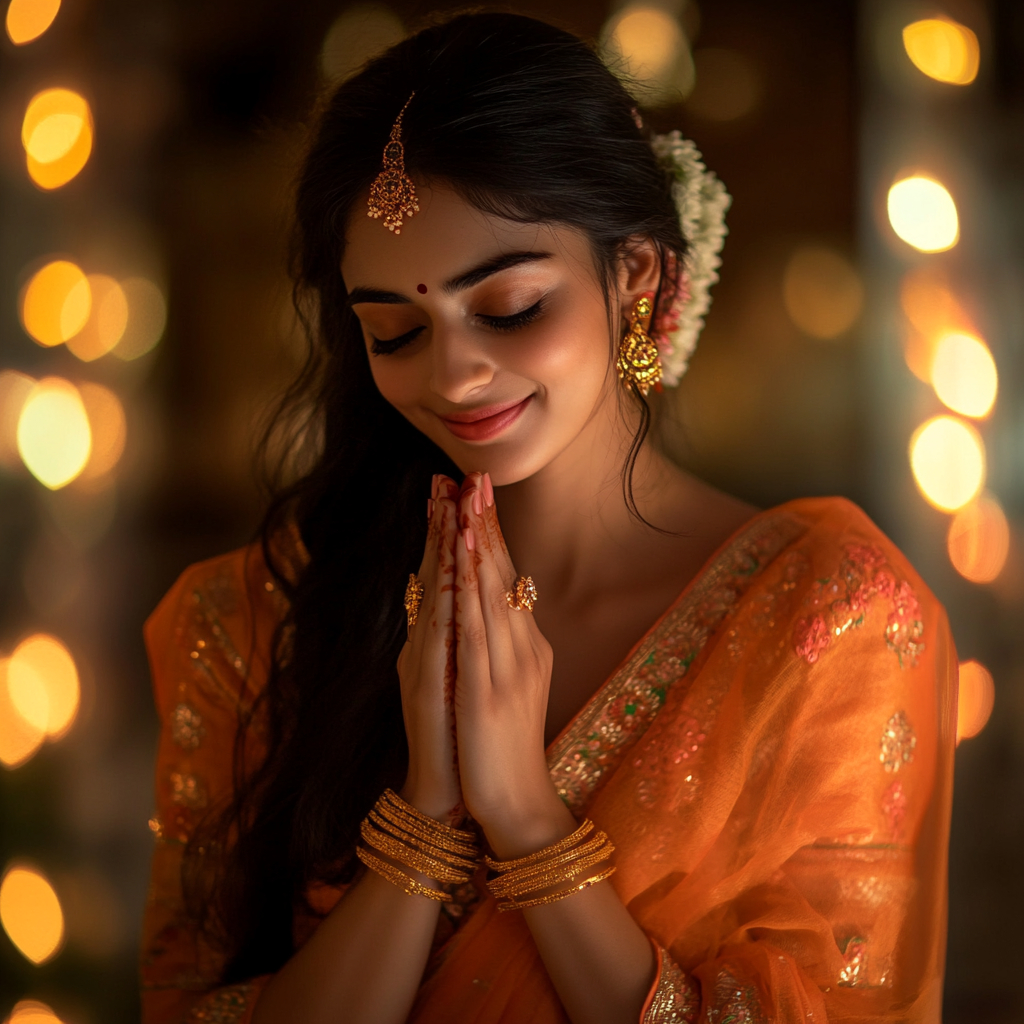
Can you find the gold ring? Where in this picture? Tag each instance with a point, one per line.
(413, 600)
(523, 594)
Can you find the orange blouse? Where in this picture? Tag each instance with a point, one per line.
(773, 761)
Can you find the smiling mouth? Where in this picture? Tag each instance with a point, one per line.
(487, 423)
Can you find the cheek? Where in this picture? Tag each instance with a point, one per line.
(398, 380)
(568, 350)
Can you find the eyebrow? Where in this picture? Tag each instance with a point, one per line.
(467, 279)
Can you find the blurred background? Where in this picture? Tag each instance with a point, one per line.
(866, 339)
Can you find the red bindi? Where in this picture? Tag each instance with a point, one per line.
(422, 289)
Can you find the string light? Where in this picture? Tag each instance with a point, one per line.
(19, 739)
(978, 541)
(42, 680)
(943, 49)
(147, 317)
(650, 43)
(54, 438)
(108, 427)
(30, 1011)
(108, 319)
(56, 303)
(31, 913)
(964, 374)
(947, 457)
(922, 213)
(29, 19)
(57, 135)
(976, 699)
(822, 292)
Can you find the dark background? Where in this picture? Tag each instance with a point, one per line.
(199, 108)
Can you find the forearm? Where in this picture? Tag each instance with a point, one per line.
(363, 964)
(598, 958)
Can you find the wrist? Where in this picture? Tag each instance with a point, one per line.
(432, 801)
(525, 830)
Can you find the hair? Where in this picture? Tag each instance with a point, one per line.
(524, 121)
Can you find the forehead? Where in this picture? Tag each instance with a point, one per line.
(447, 235)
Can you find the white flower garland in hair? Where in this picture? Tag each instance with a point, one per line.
(701, 200)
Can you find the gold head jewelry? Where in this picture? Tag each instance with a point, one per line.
(393, 194)
(523, 594)
(413, 600)
(639, 363)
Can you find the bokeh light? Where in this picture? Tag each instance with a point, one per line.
(31, 914)
(56, 303)
(57, 135)
(964, 374)
(976, 699)
(108, 427)
(147, 317)
(726, 86)
(15, 387)
(933, 311)
(107, 321)
(943, 49)
(19, 739)
(978, 541)
(29, 19)
(357, 35)
(54, 438)
(822, 291)
(43, 684)
(948, 459)
(651, 46)
(31, 1011)
(922, 212)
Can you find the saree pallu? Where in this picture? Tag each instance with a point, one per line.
(773, 761)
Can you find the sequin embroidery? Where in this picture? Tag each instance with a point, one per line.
(225, 1006)
(733, 1002)
(624, 707)
(897, 743)
(842, 602)
(894, 807)
(188, 790)
(676, 998)
(187, 728)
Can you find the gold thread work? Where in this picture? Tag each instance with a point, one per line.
(393, 194)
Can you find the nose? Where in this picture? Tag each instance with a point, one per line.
(460, 366)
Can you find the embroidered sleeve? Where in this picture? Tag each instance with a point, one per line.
(204, 664)
(674, 997)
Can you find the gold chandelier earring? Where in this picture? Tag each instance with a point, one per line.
(639, 364)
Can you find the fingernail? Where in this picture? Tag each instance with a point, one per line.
(467, 536)
(488, 490)
(430, 508)
(478, 503)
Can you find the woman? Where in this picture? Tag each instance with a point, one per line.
(766, 769)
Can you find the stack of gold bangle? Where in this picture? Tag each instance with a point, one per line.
(521, 882)
(415, 840)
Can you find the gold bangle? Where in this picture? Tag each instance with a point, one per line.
(421, 844)
(455, 834)
(395, 810)
(540, 901)
(411, 858)
(399, 878)
(541, 855)
(522, 875)
(511, 886)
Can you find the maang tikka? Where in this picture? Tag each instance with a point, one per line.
(393, 194)
(639, 362)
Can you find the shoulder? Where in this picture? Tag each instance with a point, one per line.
(214, 629)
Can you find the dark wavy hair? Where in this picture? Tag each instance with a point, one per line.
(524, 121)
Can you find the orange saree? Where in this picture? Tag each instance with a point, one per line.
(773, 761)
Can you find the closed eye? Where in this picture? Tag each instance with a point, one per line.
(515, 320)
(387, 346)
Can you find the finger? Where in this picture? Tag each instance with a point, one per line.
(495, 538)
(492, 586)
(470, 630)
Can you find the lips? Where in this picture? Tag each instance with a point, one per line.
(487, 423)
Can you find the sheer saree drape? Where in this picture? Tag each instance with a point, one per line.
(773, 761)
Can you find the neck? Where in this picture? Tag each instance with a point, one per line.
(559, 522)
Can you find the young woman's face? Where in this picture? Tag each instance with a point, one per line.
(491, 337)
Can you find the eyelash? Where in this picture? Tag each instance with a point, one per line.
(388, 346)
